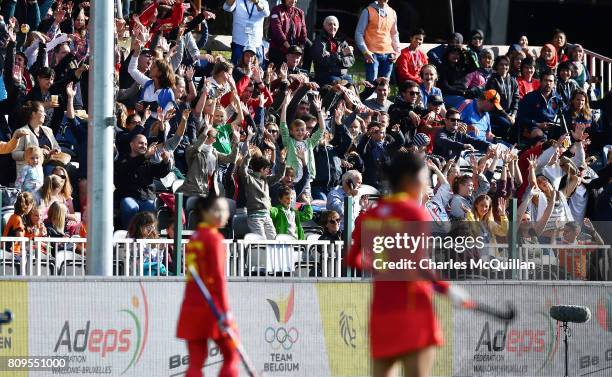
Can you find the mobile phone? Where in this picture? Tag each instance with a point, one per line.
(351, 185)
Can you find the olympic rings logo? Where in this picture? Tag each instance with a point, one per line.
(281, 337)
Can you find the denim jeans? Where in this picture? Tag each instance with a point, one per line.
(131, 206)
(237, 54)
(34, 12)
(319, 193)
(381, 67)
(501, 126)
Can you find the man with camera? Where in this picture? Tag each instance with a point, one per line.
(538, 110)
(453, 139)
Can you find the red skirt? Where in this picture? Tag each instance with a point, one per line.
(402, 319)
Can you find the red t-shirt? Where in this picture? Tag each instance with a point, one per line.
(526, 87)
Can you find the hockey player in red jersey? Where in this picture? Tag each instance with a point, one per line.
(403, 325)
(197, 323)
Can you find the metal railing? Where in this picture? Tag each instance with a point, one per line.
(20, 256)
(553, 262)
(567, 262)
(303, 259)
(596, 64)
(282, 258)
(599, 65)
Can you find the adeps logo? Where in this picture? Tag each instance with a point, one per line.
(88, 337)
(537, 338)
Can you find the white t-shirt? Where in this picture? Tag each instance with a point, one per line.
(300, 145)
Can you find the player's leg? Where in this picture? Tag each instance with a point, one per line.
(198, 350)
(420, 363)
(384, 367)
(231, 359)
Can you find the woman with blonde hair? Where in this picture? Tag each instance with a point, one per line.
(482, 214)
(56, 220)
(429, 77)
(66, 187)
(50, 191)
(65, 194)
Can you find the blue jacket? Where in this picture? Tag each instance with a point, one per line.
(533, 109)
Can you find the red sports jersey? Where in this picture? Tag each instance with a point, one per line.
(402, 317)
(206, 252)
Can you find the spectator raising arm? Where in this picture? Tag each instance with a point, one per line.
(138, 76)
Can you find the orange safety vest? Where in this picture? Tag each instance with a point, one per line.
(378, 31)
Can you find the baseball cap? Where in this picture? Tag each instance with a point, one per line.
(492, 96)
(421, 140)
(456, 37)
(435, 99)
(250, 48)
(295, 50)
(146, 51)
(476, 33)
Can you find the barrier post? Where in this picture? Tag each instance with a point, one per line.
(100, 140)
(348, 228)
(178, 232)
(513, 236)
(1, 208)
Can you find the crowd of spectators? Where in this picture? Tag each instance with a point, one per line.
(286, 130)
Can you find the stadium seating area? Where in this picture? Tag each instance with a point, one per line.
(295, 130)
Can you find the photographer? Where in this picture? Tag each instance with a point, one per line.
(537, 111)
(452, 139)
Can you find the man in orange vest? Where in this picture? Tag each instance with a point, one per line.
(378, 39)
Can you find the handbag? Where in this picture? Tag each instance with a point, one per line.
(59, 158)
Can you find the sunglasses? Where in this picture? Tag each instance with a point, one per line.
(273, 131)
(414, 93)
(62, 177)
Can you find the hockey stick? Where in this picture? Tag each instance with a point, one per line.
(507, 314)
(220, 317)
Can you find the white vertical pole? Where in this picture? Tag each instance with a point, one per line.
(609, 80)
(452, 16)
(100, 139)
(602, 74)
